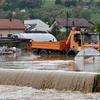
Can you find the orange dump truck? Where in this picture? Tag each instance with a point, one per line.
(48, 47)
(73, 44)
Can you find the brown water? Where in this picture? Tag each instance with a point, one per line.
(29, 61)
(28, 93)
(60, 80)
(46, 72)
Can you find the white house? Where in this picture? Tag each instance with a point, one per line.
(36, 25)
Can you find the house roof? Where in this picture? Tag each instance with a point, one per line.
(14, 24)
(36, 24)
(78, 22)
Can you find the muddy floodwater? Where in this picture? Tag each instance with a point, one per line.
(28, 93)
(28, 61)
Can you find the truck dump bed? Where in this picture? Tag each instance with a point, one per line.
(48, 45)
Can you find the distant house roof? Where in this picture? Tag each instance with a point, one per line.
(14, 24)
(36, 25)
(78, 22)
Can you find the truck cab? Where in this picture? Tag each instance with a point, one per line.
(79, 40)
(90, 40)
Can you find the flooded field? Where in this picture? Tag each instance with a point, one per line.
(27, 61)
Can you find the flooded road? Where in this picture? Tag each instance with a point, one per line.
(28, 61)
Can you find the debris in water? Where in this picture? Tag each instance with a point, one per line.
(88, 60)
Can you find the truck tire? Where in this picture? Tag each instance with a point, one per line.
(53, 53)
(72, 52)
(43, 52)
(35, 51)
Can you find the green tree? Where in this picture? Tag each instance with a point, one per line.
(69, 3)
(47, 14)
(56, 32)
(58, 2)
(21, 4)
(85, 14)
(98, 26)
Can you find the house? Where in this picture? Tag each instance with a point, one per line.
(36, 25)
(70, 22)
(11, 26)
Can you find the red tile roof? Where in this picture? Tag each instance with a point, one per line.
(79, 22)
(14, 24)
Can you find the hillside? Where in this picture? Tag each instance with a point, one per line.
(49, 10)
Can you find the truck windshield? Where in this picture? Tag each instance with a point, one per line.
(90, 38)
(77, 38)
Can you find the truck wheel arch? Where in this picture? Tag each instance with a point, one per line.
(43, 52)
(35, 51)
(72, 51)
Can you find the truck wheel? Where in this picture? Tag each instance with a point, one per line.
(53, 53)
(35, 51)
(43, 52)
(72, 52)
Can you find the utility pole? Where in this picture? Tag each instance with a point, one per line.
(67, 15)
(10, 21)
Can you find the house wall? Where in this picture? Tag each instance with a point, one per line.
(6, 32)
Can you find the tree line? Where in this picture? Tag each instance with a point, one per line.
(48, 11)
